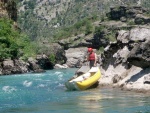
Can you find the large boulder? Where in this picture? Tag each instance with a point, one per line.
(21, 66)
(140, 54)
(123, 36)
(13, 67)
(59, 53)
(54, 52)
(75, 56)
(44, 62)
(8, 66)
(141, 19)
(126, 63)
(140, 34)
(137, 79)
(117, 13)
(34, 65)
(58, 66)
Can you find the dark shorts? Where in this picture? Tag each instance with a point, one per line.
(92, 63)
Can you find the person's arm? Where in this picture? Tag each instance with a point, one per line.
(95, 59)
(87, 57)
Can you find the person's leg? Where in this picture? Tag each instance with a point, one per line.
(92, 63)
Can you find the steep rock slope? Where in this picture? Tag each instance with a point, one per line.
(42, 19)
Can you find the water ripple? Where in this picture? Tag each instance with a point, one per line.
(8, 89)
(41, 85)
(58, 73)
(27, 83)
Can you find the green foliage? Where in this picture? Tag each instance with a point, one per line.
(11, 41)
(64, 33)
(111, 36)
(31, 4)
(89, 28)
(146, 4)
(99, 29)
(37, 26)
(52, 58)
(79, 24)
(83, 26)
(131, 22)
(26, 47)
(100, 50)
(41, 48)
(8, 45)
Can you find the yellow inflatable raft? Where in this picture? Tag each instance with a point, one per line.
(84, 81)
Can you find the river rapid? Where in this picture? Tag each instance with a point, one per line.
(46, 93)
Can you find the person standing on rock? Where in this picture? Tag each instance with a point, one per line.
(91, 57)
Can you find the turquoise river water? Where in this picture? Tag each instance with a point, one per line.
(46, 93)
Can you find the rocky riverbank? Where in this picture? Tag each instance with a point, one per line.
(17, 66)
(125, 63)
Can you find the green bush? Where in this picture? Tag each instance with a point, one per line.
(99, 29)
(12, 42)
(52, 58)
(83, 26)
(8, 45)
(89, 28)
(26, 47)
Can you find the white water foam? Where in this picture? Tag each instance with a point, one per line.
(8, 89)
(38, 75)
(58, 73)
(28, 75)
(41, 85)
(60, 77)
(27, 83)
(60, 85)
(39, 79)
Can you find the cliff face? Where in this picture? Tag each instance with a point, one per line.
(8, 9)
(42, 18)
(125, 62)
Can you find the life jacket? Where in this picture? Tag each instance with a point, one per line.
(92, 56)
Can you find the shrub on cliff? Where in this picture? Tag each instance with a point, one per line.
(12, 43)
(83, 26)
